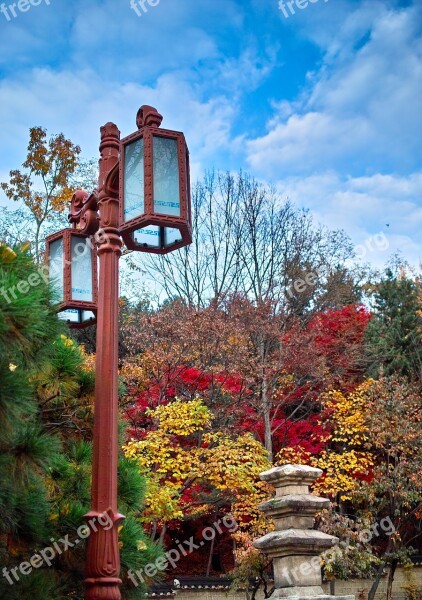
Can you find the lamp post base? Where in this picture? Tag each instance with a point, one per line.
(104, 588)
(103, 562)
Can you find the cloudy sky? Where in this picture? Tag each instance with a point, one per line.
(323, 101)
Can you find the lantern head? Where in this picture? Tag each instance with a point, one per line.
(72, 261)
(155, 207)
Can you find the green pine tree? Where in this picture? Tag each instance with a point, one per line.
(46, 449)
(28, 326)
(393, 336)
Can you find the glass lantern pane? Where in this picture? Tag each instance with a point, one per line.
(81, 269)
(87, 315)
(166, 177)
(134, 180)
(56, 268)
(71, 314)
(149, 236)
(171, 236)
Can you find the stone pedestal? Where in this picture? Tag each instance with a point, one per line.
(294, 546)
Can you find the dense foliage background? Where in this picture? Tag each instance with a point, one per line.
(264, 342)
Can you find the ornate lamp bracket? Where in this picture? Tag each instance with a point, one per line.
(84, 212)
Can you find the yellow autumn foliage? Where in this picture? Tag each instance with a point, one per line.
(230, 465)
(345, 456)
(182, 418)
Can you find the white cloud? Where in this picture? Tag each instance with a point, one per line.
(86, 102)
(361, 112)
(364, 207)
(105, 62)
(348, 147)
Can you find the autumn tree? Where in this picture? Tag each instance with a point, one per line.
(193, 472)
(393, 418)
(287, 368)
(178, 351)
(354, 556)
(217, 352)
(251, 244)
(213, 352)
(342, 455)
(43, 186)
(372, 461)
(248, 240)
(330, 348)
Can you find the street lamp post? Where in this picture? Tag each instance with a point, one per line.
(143, 197)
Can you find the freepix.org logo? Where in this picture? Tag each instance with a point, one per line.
(141, 6)
(183, 549)
(46, 557)
(288, 7)
(11, 11)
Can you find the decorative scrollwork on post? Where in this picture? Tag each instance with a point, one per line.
(84, 212)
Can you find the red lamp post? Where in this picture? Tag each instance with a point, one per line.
(143, 197)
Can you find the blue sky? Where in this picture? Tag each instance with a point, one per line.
(326, 103)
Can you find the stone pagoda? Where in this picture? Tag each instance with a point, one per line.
(295, 546)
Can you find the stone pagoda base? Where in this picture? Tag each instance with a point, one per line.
(294, 546)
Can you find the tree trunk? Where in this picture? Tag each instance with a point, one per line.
(163, 533)
(267, 418)
(37, 243)
(154, 530)
(391, 573)
(266, 408)
(374, 587)
(210, 557)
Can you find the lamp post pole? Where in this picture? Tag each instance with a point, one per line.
(103, 560)
(164, 169)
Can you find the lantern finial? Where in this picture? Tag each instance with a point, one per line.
(148, 116)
